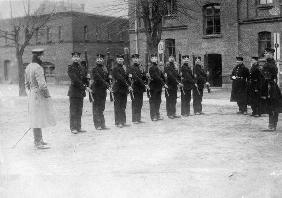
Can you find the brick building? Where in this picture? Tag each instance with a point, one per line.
(216, 30)
(66, 32)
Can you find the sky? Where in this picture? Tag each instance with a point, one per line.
(103, 7)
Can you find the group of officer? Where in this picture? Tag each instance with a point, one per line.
(258, 87)
(134, 80)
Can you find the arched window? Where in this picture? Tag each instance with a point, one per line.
(211, 19)
(264, 41)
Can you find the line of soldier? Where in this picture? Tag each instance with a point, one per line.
(258, 88)
(135, 81)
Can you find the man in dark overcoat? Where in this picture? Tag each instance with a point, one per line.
(254, 90)
(200, 78)
(99, 91)
(138, 79)
(121, 87)
(76, 92)
(271, 93)
(239, 77)
(188, 82)
(172, 81)
(156, 83)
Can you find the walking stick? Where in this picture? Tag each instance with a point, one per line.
(21, 138)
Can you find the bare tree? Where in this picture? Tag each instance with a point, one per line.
(20, 31)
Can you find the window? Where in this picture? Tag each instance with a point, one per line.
(60, 33)
(170, 43)
(264, 2)
(6, 38)
(171, 7)
(36, 36)
(85, 33)
(212, 19)
(48, 36)
(264, 41)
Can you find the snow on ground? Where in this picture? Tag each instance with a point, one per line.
(219, 154)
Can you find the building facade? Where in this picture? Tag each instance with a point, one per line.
(216, 30)
(64, 33)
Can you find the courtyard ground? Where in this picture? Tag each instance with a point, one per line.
(219, 154)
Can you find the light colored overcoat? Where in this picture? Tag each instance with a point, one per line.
(40, 108)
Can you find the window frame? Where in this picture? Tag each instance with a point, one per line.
(214, 16)
(171, 8)
(261, 42)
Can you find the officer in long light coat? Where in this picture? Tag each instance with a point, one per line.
(40, 108)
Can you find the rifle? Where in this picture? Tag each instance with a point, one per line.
(91, 99)
(111, 94)
(131, 91)
(147, 90)
(166, 91)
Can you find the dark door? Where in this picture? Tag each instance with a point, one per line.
(213, 64)
(6, 69)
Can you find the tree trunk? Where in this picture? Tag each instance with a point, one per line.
(21, 71)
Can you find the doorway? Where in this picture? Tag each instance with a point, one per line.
(213, 64)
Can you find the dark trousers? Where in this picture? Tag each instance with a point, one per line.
(185, 102)
(197, 100)
(242, 106)
(256, 107)
(98, 107)
(37, 134)
(76, 106)
(171, 100)
(137, 104)
(120, 106)
(155, 102)
(273, 119)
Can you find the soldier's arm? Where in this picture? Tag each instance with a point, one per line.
(26, 83)
(118, 76)
(39, 76)
(73, 76)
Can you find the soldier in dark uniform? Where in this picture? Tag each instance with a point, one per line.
(255, 87)
(172, 81)
(240, 76)
(156, 83)
(76, 93)
(138, 79)
(120, 89)
(270, 90)
(99, 88)
(200, 79)
(188, 82)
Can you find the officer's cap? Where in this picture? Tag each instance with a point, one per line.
(268, 49)
(75, 54)
(255, 58)
(120, 56)
(135, 56)
(100, 55)
(38, 51)
(185, 56)
(239, 58)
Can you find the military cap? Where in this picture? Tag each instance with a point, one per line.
(154, 55)
(239, 58)
(38, 51)
(185, 56)
(100, 56)
(135, 56)
(120, 56)
(268, 49)
(255, 58)
(75, 54)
